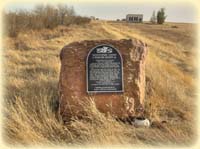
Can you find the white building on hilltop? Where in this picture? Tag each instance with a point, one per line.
(135, 18)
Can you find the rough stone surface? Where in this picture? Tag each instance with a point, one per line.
(72, 82)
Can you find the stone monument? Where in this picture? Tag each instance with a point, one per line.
(112, 72)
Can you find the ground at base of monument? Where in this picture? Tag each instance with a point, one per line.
(136, 121)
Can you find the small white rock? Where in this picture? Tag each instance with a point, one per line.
(145, 122)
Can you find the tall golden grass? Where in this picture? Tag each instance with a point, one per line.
(31, 65)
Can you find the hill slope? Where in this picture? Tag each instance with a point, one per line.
(32, 71)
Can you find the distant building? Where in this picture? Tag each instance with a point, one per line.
(135, 18)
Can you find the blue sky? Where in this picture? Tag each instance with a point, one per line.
(180, 12)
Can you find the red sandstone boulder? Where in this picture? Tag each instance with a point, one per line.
(72, 82)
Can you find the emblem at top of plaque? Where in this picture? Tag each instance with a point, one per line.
(104, 70)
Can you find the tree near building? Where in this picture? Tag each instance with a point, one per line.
(153, 18)
(161, 16)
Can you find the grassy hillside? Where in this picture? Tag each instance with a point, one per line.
(32, 65)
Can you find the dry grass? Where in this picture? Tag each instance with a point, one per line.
(31, 67)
